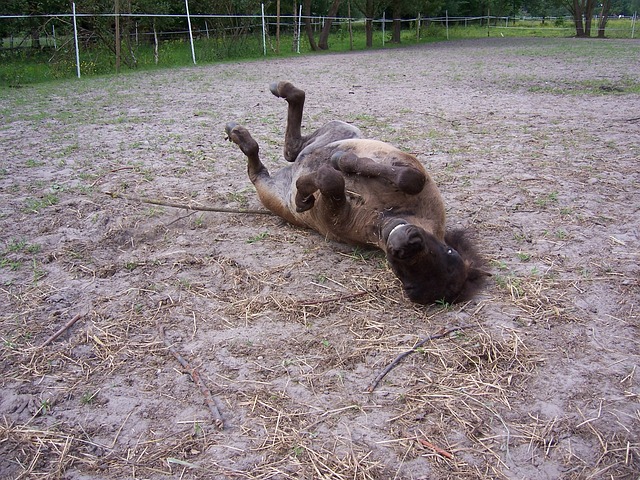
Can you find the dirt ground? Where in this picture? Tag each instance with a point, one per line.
(170, 316)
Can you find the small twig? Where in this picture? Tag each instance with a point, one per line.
(178, 219)
(195, 376)
(438, 117)
(115, 439)
(64, 328)
(333, 299)
(435, 448)
(400, 357)
(164, 203)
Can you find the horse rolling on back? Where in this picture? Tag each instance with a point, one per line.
(369, 193)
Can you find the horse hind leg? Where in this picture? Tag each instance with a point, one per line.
(407, 178)
(331, 185)
(293, 140)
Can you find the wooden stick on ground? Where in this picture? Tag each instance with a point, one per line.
(64, 328)
(435, 448)
(195, 376)
(415, 348)
(164, 203)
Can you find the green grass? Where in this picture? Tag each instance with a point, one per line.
(590, 87)
(19, 252)
(259, 237)
(35, 205)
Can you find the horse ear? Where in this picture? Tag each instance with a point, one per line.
(474, 263)
(474, 282)
(476, 274)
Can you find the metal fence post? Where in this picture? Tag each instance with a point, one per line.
(75, 37)
(193, 52)
(264, 33)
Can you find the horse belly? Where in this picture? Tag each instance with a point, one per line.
(376, 150)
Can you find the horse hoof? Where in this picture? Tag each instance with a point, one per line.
(228, 128)
(274, 89)
(335, 159)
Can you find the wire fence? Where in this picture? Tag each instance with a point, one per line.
(87, 42)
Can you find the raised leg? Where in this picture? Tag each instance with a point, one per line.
(272, 193)
(329, 182)
(407, 178)
(293, 140)
(241, 137)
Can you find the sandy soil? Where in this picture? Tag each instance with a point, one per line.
(535, 146)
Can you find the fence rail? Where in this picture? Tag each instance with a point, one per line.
(79, 30)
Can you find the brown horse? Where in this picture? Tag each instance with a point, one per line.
(369, 193)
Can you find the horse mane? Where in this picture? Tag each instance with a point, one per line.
(463, 242)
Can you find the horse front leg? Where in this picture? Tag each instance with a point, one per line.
(241, 137)
(293, 140)
(272, 191)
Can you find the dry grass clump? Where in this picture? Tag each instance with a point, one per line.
(619, 451)
(286, 434)
(541, 435)
(372, 293)
(35, 451)
(547, 438)
(355, 464)
(461, 391)
(39, 453)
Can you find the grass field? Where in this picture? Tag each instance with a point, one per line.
(25, 66)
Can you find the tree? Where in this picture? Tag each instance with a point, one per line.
(33, 26)
(326, 28)
(604, 14)
(370, 9)
(369, 12)
(396, 14)
(582, 13)
(402, 8)
(10, 27)
(308, 27)
(544, 8)
(323, 42)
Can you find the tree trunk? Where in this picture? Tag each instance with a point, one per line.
(606, 6)
(35, 38)
(308, 27)
(589, 7)
(295, 40)
(368, 24)
(397, 15)
(368, 10)
(395, 33)
(326, 29)
(576, 11)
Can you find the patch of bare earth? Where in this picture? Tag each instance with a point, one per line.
(173, 321)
